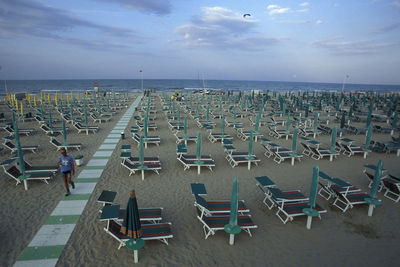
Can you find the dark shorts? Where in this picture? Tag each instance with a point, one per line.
(66, 174)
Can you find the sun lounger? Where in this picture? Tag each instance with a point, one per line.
(150, 126)
(389, 183)
(189, 161)
(318, 153)
(52, 130)
(153, 231)
(135, 160)
(14, 173)
(13, 147)
(10, 130)
(80, 128)
(279, 133)
(289, 208)
(147, 140)
(282, 155)
(181, 149)
(346, 195)
(136, 166)
(272, 148)
(185, 139)
(214, 223)
(111, 210)
(217, 206)
(58, 145)
(351, 150)
(100, 118)
(236, 158)
(214, 137)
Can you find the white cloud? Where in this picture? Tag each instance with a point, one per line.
(338, 46)
(396, 4)
(302, 10)
(220, 27)
(278, 10)
(272, 6)
(294, 21)
(318, 21)
(305, 4)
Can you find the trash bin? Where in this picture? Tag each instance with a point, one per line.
(122, 135)
(79, 160)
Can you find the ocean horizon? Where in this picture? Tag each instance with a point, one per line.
(136, 85)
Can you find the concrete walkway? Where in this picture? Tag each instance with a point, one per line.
(49, 242)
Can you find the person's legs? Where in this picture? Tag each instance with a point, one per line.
(67, 181)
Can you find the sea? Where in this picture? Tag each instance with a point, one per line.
(160, 85)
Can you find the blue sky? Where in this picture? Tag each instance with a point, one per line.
(282, 40)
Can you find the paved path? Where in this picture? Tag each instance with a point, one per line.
(49, 242)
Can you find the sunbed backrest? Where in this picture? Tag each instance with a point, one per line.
(201, 201)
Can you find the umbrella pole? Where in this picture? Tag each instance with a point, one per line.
(370, 209)
(249, 164)
(198, 169)
(231, 239)
(26, 185)
(309, 220)
(142, 175)
(136, 256)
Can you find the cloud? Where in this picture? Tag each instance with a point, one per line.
(159, 7)
(302, 10)
(318, 21)
(304, 4)
(337, 46)
(31, 18)
(219, 27)
(293, 21)
(275, 10)
(396, 4)
(386, 29)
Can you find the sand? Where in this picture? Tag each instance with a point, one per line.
(338, 239)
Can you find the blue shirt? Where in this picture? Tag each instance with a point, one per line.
(66, 163)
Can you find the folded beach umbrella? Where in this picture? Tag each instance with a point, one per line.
(198, 146)
(208, 113)
(21, 162)
(142, 167)
(185, 126)
(394, 122)
(131, 226)
(232, 228)
(372, 200)
(333, 139)
(64, 131)
(223, 127)
(288, 123)
(368, 136)
(71, 111)
(250, 156)
(311, 211)
(294, 140)
(369, 118)
(257, 124)
(342, 120)
(50, 120)
(85, 114)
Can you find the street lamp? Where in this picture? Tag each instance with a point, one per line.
(141, 72)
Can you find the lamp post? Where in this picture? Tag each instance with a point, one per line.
(141, 72)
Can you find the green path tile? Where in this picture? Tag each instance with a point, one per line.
(36, 253)
(66, 219)
(77, 197)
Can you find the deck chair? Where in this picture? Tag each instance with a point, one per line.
(29, 168)
(320, 153)
(279, 133)
(13, 147)
(181, 149)
(270, 199)
(153, 231)
(49, 130)
(281, 156)
(351, 150)
(215, 137)
(100, 118)
(236, 158)
(389, 183)
(135, 160)
(80, 128)
(289, 208)
(214, 223)
(218, 206)
(150, 126)
(184, 139)
(14, 173)
(58, 145)
(189, 161)
(10, 130)
(272, 148)
(308, 131)
(147, 140)
(152, 215)
(135, 167)
(245, 135)
(345, 195)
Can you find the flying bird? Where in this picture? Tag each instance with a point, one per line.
(246, 15)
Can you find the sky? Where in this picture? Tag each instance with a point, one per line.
(356, 41)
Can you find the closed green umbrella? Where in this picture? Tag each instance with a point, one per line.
(145, 125)
(394, 122)
(198, 160)
(142, 167)
(311, 211)
(41, 111)
(71, 111)
(21, 161)
(372, 200)
(50, 120)
(208, 113)
(368, 136)
(287, 125)
(131, 226)
(250, 156)
(342, 121)
(257, 125)
(294, 140)
(316, 115)
(185, 126)
(369, 118)
(64, 131)
(223, 127)
(333, 139)
(232, 228)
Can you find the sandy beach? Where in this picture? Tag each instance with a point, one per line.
(338, 239)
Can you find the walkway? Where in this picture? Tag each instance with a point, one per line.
(49, 242)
